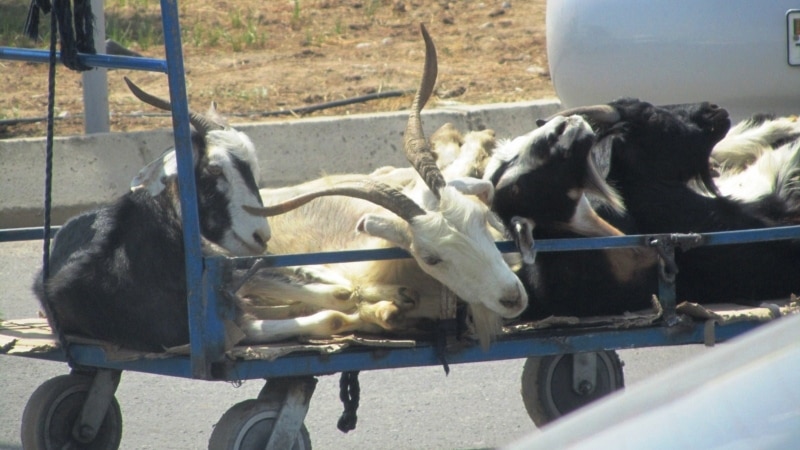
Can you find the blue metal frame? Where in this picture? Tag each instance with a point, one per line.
(523, 345)
(206, 277)
(107, 61)
(206, 334)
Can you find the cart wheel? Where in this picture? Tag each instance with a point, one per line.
(248, 425)
(550, 389)
(52, 410)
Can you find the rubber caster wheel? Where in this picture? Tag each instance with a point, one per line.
(553, 386)
(248, 425)
(52, 410)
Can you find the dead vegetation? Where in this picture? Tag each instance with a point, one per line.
(254, 57)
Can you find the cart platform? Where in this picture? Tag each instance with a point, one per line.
(706, 324)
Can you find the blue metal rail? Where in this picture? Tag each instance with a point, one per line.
(106, 61)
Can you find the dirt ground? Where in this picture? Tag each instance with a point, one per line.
(253, 57)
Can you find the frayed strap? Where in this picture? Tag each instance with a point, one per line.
(75, 29)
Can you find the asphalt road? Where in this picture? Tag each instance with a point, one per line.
(477, 406)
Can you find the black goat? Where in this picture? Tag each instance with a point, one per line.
(658, 160)
(118, 272)
(659, 163)
(540, 184)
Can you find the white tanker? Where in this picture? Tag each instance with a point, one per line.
(741, 54)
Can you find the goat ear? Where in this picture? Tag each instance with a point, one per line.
(154, 176)
(483, 189)
(595, 183)
(586, 222)
(215, 116)
(392, 229)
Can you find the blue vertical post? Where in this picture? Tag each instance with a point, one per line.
(205, 328)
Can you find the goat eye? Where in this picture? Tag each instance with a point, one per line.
(432, 260)
(215, 170)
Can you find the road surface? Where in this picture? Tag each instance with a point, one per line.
(477, 406)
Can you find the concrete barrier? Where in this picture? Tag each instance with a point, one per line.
(94, 169)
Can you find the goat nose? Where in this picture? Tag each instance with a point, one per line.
(261, 237)
(512, 300)
(510, 303)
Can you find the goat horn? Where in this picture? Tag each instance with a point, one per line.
(376, 192)
(200, 122)
(599, 114)
(417, 149)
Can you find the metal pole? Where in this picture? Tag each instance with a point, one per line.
(95, 81)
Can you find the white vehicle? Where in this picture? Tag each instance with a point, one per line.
(743, 55)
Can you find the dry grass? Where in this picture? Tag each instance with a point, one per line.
(256, 56)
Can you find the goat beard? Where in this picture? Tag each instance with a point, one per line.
(486, 324)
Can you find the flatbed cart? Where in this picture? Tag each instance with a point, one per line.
(567, 366)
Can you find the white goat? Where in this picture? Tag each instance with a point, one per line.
(757, 157)
(448, 234)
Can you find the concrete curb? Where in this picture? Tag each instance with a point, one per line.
(94, 169)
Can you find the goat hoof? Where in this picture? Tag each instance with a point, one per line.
(342, 294)
(407, 299)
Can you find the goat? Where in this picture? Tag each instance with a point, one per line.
(658, 157)
(751, 138)
(118, 272)
(542, 182)
(447, 233)
(757, 157)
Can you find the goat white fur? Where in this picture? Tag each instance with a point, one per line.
(748, 140)
(749, 164)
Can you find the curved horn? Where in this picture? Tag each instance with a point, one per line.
(598, 114)
(200, 122)
(376, 192)
(417, 148)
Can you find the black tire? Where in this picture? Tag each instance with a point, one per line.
(547, 385)
(54, 407)
(248, 425)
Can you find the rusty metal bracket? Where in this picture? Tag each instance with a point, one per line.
(709, 335)
(584, 373)
(292, 396)
(664, 245)
(98, 399)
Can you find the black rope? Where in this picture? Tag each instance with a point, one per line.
(333, 104)
(48, 188)
(48, 166)
(349, 394)
(282, 112)
(32, 21)
(442, 330)
(84, 26)
(75, 28)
